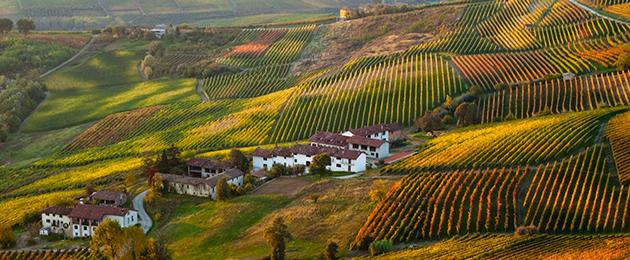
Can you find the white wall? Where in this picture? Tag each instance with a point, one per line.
(63, 223)
(382, 151)
(341, 165)
(260, 162)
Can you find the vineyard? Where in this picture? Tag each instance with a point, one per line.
(437, 205)
(524, 142)
(619, 138)
(189, 126)
(573, 195)
(490, 246)
(274, 47)
(70, 254)
(397, 90)
(15, 210)
(250, 83)
(619, 9)
(556, 96)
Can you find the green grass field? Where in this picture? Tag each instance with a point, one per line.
(72, 107)
(205, 229)
(22, 149)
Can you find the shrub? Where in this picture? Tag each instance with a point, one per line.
(429, 122)
(466, 114)
(7, 237)
(448, 120)
(509, 116)
(381, 246)
(526, 231)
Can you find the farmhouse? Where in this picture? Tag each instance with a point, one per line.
(82, 219)
(204, 168)
(385, 132)
(200, 187)
(108, 198)
(341, 159)
(373, 147)
(159, 30)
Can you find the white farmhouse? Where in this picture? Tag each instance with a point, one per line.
(200, 187)
(82, 219)
(385, 132)
(373, 148)
(348, 161)
(159, 30)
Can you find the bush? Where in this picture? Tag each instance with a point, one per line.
(380, 247)
(509, 117)
(526, 231)
(7, 237)
(448, 120)
(430, 121)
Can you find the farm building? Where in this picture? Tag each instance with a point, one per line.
(385, 132)
(301, 154)
(82, 220)
(200, 187)
(204, 168)
(108, 198)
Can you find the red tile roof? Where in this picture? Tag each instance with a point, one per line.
(347, 154)
(329, 138)
(96, 212)
(207, 164)
(365, 141)
(57, 210)
(109, 195)
(370, 130)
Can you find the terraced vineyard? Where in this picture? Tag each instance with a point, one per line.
(398, 90)
(619, 9)
(436, 205)
(489, 246)
(556, 96)
(576, 194)
(249, 83)
(189, 126)
(619, 138)
(73, 254)
(17, 209)
(524, 142)
(271, 47)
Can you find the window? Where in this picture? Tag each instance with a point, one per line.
(376, 155)
(264, 159)
(294, 160)
(338, 165)
(48, 221)
(339, 158)
(84, 227)
(355, 146)
(308, 164)
(373, 149)
(76, 227)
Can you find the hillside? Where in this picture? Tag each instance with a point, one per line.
(514, 116)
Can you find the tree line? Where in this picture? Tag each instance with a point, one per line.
(23, 25)
(19, 99)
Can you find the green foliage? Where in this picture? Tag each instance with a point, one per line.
(278, 170)
(222, 189)
(7, 237)
(25, 26)
(319, 164)
(6, 25)
(19, 99)
(21, 55)
(156, 49)
(276, 234)
(238, 160)
(623, 60)
(331, 251)
(380, 247)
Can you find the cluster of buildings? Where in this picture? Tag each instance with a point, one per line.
(82, 219)
(349, 151)
(201, 178)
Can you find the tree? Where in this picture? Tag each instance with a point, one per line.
(277, 170)
(431, 121)
(623, 61)
(7, 237)
(222, 189)
(25, 26)
(89, 189)
(275, 236)
(156, 48)
(114, 242)
(107, 239)
(466, 114)
(319, 164)
(331, 251)
(6, 25)
(238, 160)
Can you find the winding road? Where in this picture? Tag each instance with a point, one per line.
(138, 205)
(595, 12)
